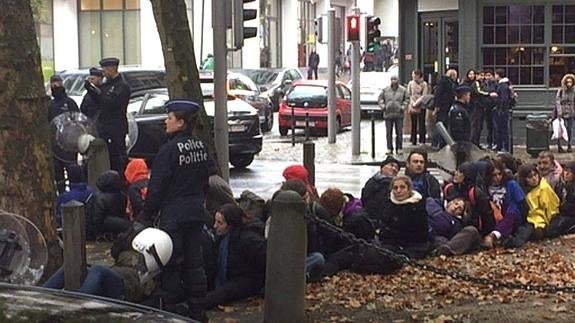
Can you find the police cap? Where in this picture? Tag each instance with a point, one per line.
(109, 61)
(96, 72)
(182, 105)
(462, 89)
(55, 78)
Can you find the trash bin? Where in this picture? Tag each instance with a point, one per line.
(537, 134)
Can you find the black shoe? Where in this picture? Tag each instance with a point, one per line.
(560, 150)
(569, 150)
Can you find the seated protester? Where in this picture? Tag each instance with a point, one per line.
(469, 184)
(550, 169)
(511, 163)
(79, 190)
(137, 175)
(376, 189)
(301, 173)
(109, 215)
(423, 182)
(543, 206)
(508, 205)
(450, 226)
(403, 226)
(241, 257)
(564, 222)
(131, 278)
(218, 193)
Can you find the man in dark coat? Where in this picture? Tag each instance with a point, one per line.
(89, 106)
(60, 103)
(423, 181)
(502, 112)
(444, 96)
(459, 123)
(112, 99)
(313, 64)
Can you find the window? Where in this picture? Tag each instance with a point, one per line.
(562, 49)
(109, 28)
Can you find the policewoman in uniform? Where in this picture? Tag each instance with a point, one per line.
(112, 99)
(176, 196)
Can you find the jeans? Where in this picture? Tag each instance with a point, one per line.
(398, 124)
(100, 281)
(313, 260)
(501, 128)
(489, 125)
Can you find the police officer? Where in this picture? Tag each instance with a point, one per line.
(112, 99)
(459, 123)
(89, 107)
(60, 103)
(176, 197)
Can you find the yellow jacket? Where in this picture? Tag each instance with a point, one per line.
(543, 204)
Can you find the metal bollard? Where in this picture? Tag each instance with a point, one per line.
(98, 160)
(285, 272)
(306, 126)
(309, 160)
(372, 134)
(74, 226)
(511, 131)
(292, 126)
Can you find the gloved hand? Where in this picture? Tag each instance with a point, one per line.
(91, 88)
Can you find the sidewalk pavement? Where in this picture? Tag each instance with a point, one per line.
(280, 148)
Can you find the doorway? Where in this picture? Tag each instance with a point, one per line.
(439, 47)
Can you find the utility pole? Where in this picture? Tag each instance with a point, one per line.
(355, 93)
(331, 102)
(221, 137)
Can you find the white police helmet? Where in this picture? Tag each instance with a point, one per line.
(156, 246)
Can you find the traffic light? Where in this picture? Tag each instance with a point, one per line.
(318, 26)
(372, 29)
(353, 28)
(240, 15)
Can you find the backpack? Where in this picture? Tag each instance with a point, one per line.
(252, 204)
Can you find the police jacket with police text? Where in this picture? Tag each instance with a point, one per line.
(113, 103)
(59, 105)
(178, 179)
(459, 123)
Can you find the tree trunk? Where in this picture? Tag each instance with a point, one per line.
(26, 170)
(179, 58)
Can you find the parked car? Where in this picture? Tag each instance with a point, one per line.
(244, 88)
(370, 86)
(273, 83)
(245, 138)
(310, 97)
(138, 78)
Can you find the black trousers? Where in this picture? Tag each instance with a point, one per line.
(232, 290)
(561, 224)
(117, 153)
(418, 127)
(476, 124)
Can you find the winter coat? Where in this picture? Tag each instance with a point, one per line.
(313, 60)
(112, 103)
(444, 94)
(80, 192)
(486, 101)
(567, 207)
(136, 175)
(440, 221)
(110, 201)
(504, 94)
(459, 122)
(374, 193)
(425, 184)
(404, 223)
(565, 98)
(416, 91)
(543, 204)
(393, 102)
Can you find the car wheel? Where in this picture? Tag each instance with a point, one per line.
(241, 161)
(283, 131)
(268, 125)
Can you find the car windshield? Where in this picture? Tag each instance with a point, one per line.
(74, 84)
(261, 77)
(313, 95)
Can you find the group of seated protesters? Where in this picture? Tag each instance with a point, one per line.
(487, 203)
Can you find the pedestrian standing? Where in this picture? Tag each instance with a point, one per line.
(565, 107)
(393, 100)
(504, 105)
(416, 89)
(112, 99)
(89, 107)
(175, 199)
(459, 124)
(443, 99)
(313, 64)
(474, 106)
(488, 102)
(60, 103)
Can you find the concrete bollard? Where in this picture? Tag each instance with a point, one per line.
(309, 160)
(74, 226)
(286, 252)
(98, 160)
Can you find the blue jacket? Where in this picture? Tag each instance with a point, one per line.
(78, 192)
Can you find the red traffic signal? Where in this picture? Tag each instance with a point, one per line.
(353, 23)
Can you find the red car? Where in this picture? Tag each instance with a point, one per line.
(310, 97)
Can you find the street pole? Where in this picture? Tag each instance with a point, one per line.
(355, 102)
(220, 90)
(331, 45)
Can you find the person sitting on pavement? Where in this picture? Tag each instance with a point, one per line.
(550, 169)
(508, 204)
(564, 223)
(79, 190)
(110, 205)
(137, 176)
(423, 182)
(376, 189)
(543, 206)
(511, 163)
(301, 173)
(403, 226)
(393, 101)
(131, 278)
(459, 122)
(451, 227)
(241, 257)
(218, 193)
